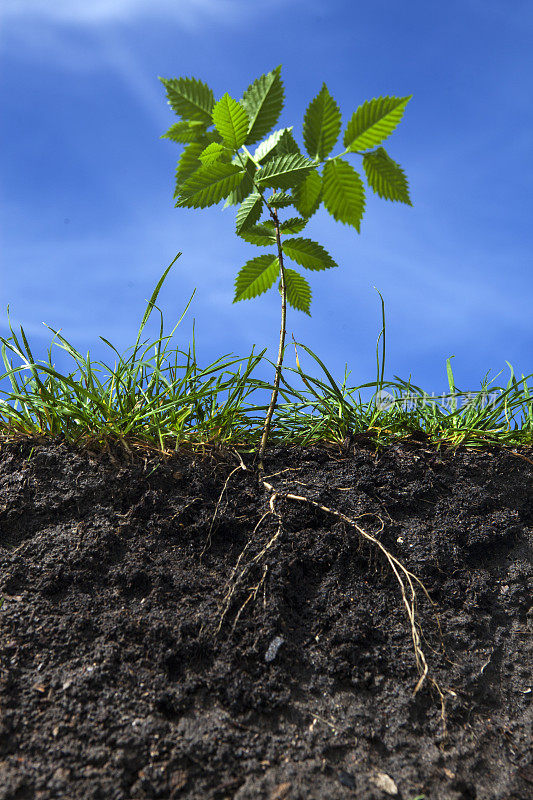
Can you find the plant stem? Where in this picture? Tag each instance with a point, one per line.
(270, 412)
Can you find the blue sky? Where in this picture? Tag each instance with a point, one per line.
(88, 223)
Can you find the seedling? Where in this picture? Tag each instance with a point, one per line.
(217, 165)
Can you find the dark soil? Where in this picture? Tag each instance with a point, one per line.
(115, 682)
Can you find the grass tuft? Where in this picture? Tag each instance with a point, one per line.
(157, 403)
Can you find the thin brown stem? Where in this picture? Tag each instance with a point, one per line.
(277, 377)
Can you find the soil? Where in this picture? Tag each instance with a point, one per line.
(137, 662)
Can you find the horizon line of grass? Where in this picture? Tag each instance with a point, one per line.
(186, 408)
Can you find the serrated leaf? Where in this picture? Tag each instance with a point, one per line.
(386, 177)
(246, 186)
(190, 98)
(322, 125)
(307, 253)
(186, 132)
(298, 290)
(268, 146)
(188, 163)
(214, 152)
(263, 100)
(259, 235)
(287, 144)
(374, 121)
(209, 185)
(256, 277)
(292, 225)
(307, 195)
(283, 172)
(343, 193)
(249, 212)
(231, 121)
(280, 200)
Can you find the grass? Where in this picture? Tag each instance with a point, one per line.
(158, 404)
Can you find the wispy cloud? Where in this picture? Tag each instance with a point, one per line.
(87, 37)
(188, 13)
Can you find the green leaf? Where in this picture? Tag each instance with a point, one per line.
(231, 121)
(213, 136)
(386, 177)
(287, 144)
(374, 121)
(308, 193)
(298, 290)
(263, 100)
(246, 186)
(214, 152)
(259, 235)
(209, 185)
(185, 132)
(280, 200)
(249, 212)
(322, 125)
(256, 277)
(283, 172)
(190, 98)
(343, 193)
(188, 163)
(308, 254)
(292, 225)
(268, 146)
